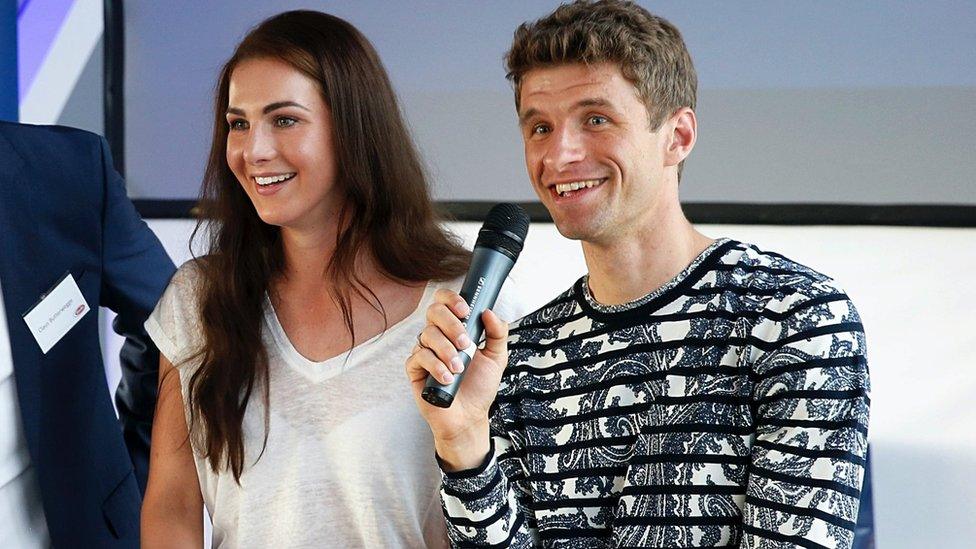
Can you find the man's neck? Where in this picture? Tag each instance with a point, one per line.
(644, 259)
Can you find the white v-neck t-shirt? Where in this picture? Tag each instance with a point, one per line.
(349, 460)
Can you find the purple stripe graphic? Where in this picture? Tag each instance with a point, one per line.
(38, 23)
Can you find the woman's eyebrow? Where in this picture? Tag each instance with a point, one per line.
(270, 107)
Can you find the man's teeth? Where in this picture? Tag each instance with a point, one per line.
(274, 178)
(563, 188)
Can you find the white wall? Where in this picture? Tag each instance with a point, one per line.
(915, 292)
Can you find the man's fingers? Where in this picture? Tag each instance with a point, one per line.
(452, 327)
(453, 302)
(437, 342)
(496, 335)
(424, 362)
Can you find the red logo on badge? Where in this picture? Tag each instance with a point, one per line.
(80, 309)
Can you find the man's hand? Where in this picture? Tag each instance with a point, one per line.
(461, 434)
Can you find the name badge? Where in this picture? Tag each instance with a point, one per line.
(57, 312)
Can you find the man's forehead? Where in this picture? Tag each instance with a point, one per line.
(564, 78)
(572, 84)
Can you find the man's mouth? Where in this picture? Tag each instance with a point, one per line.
(567, 189)
(265, 181)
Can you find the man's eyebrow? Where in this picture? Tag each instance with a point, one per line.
(581, 104)
(594, 102)
(525, 116)
(269, 108)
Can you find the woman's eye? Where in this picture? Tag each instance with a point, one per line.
(285, 121)
(237, 124)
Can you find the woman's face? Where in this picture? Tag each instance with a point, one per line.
(279, 145)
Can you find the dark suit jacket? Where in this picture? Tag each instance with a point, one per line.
(63, 208)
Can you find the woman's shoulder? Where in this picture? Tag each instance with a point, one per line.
(174, 324)
(191, 272)
(192, 275)
(512, 302)
(182, 296)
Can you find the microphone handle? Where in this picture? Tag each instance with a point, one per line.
(487, 272)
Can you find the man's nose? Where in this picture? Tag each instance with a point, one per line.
(565, 148)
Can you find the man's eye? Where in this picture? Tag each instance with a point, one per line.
(237, 124)
(540, 129)
(285, 121)
(597, 120)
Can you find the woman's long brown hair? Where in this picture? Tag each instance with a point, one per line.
(387, 213)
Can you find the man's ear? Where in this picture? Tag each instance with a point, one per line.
(682, 130)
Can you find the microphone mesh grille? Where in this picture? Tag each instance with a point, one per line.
(505, 227)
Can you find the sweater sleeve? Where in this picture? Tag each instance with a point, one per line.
(487, 506)
(810, 407)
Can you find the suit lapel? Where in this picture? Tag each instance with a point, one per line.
(20, 283)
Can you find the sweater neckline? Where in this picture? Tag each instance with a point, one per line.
(655, 299)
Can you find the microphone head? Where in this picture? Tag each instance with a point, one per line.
(504, 230)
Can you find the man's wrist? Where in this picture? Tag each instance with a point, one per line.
(465, 451)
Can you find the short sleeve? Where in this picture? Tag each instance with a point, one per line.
(174, 324)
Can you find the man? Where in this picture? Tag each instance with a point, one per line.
(687, 392)
(71, 473)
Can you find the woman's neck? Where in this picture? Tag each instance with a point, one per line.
(307, 255)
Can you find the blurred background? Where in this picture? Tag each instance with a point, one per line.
(840, 134)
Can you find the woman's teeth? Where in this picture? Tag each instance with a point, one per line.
(563, 188)
(272, 179)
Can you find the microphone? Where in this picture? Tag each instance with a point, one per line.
(499, 243)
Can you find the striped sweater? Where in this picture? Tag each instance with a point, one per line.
(728, 408)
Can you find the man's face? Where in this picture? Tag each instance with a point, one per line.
(589, 150)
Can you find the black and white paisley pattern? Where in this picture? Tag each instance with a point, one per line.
(728, 408)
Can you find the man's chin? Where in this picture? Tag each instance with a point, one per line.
(570, 230)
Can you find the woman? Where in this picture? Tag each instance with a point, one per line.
(281, 402)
